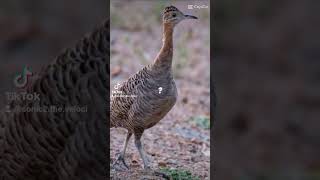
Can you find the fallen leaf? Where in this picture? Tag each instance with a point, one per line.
(162, 164)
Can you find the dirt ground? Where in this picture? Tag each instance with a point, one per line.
(174, 142)
(177, 141)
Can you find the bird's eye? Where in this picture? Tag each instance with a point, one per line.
(174, 15)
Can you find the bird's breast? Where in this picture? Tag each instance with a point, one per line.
(162, 103)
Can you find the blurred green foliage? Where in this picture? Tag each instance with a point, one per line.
(178, 174)
(201, 121)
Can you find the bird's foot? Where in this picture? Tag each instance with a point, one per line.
(120, 163)
(149, 159)
(156, 173)
(161, 174)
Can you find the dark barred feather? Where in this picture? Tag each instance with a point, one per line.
(62, 145)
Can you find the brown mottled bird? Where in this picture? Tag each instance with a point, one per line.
(148, 106)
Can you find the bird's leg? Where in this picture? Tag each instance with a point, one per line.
(143, 156)
(122, 153)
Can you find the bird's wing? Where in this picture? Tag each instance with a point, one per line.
(132, 87)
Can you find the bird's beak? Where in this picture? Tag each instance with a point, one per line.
(190, 17)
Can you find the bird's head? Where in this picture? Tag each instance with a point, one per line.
(173, 15)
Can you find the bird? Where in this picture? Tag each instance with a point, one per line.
(144, 104)
(62, 145)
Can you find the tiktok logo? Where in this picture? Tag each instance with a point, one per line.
(21, 80)
(117, 86)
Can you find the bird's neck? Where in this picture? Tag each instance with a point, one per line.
(164, 57)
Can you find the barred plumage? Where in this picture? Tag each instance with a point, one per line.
(149, 106)
(62, 145)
